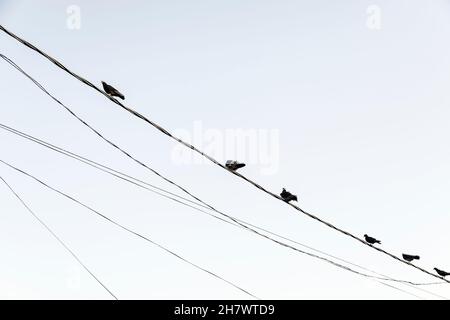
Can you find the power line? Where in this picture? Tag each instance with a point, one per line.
(108, 170)
(401, 290)
(285, 245)
(116, 173)
(238, 222)
(143, 237)
(190, 146)
(129, 230)
(234, 220)
(57, 238)
(126, 153)
(81, 263)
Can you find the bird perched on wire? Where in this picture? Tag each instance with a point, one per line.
(234, 165)
(371, 240)
(442, 273)
(287, 196)
(409, 257)
(111, 91)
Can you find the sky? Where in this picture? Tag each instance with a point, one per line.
(344, 104)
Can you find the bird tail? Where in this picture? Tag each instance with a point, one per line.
(121, 96)
(378, 241)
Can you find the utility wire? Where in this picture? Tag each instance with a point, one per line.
(154, 171)
(234, 220)
(84, 266)
(116, 173)
(128, 229)
(190, 146)
(57, 238)
(127, 178)
(151, 241)
(95, 130)
(404, 291)
(102, 168)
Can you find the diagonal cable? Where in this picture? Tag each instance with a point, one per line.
(136, 182)
(190, 146)
(129, 230)
(234, 221)
(57, 238)
(241, 224)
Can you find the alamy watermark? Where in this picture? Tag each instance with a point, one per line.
(373, 21)
(255, 147)
(73, 21)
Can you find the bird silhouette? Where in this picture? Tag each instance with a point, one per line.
(111, 91)
(442, 273)
(409, 257)
(371, 240)
(287, 196)
(234, 165)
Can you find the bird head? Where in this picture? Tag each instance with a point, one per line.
(435, 269)
(365, 235)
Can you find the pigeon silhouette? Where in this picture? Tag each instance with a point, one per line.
(409, 257)
(111, 91)
(287, 196)
(234, 165)
(442, 273)
(371, 240)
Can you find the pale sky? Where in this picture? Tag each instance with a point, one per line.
(353, 119)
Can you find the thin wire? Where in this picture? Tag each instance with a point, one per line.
(84, 266)
(95, 130)
(404, 291)
(102, 167)
(106, 169)
(57, 238)
(212, 208)
(128, 229)
(117, 174)
(133, 232)
(190, 146)
(99, 166)
(234, 220)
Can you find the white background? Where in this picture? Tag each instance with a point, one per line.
(363, 122)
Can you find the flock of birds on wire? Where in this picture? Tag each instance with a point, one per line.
(285, 195)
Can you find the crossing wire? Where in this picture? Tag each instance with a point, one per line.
(128, 229)
(56, 237)
(128, 178)
(190, 146)
(151, 241)
(100, 135)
